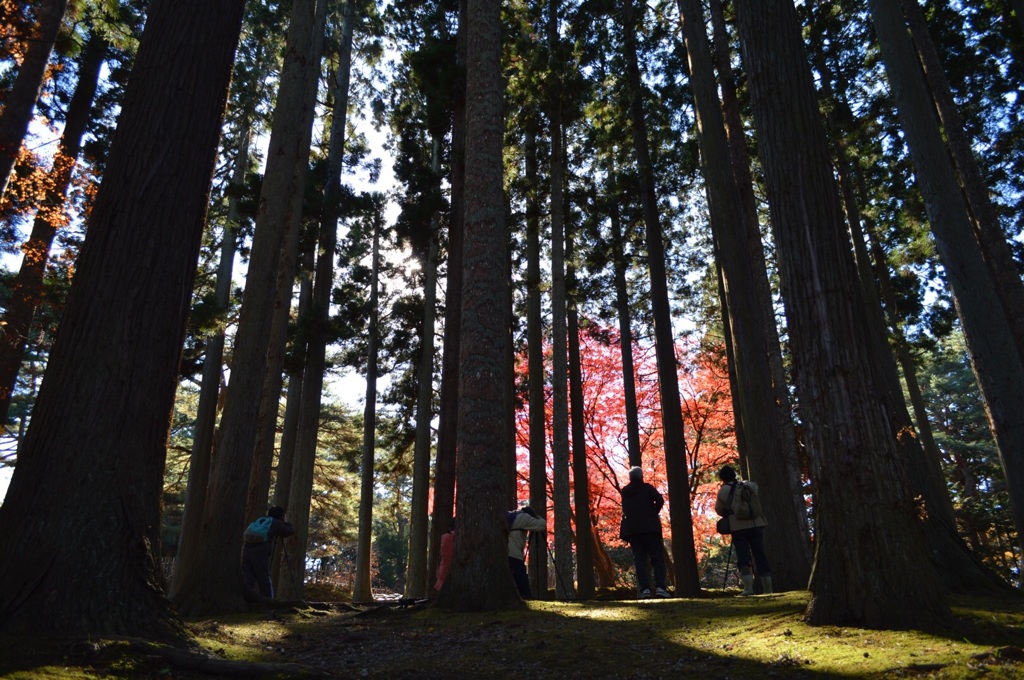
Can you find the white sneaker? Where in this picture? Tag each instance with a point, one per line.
(645, 594)
(661, 592)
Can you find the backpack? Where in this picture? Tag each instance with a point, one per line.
(512, 518)
(259, 530)
(745, 504)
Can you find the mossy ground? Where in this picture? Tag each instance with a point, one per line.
(720, 636)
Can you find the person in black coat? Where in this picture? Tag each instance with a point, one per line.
(641, 528)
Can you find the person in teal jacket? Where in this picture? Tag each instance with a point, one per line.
(256, 554)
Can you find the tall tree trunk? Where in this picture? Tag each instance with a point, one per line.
(991, 236)
(277, 347)
(959, 570)
(871, 566)
(416, 584)
(318, 321)
(745, 188)
(189, 540)
(21, 99)
(211, 581)
(479, 578)
(296, 370)
(687, 577)
(580, 478)
(559, 367)
(445, 459)
(84, 504)
(621, 266)
(535, 348)
(994, 357)
(290, 427)
(28, 285)
(751, 341)
(362, 591)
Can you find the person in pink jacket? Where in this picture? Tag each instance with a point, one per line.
(447, 551)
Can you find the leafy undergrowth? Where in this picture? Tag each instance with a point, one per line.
(714, 637)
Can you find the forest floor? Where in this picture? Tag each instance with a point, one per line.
(718, 636)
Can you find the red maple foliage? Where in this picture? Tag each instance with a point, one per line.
(707, 414)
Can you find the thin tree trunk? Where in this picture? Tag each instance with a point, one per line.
(318, 322)
(416, 585)
(270, 400)
(535, 349)
(559, 369)
(621, 266)
(750, 340)
(20, 101)
(687, 577)
(293, 395)
(290, 435)
(444, 461)
(189, 540)
(580, 478)
(362, 591)
(85, 498)
(780, 385)
(213, 580)
(27, 291)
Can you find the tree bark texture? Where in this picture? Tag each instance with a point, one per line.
(580, 479)
(987, 329)
(277, 347)
(83, 507)
(751, 340)
(416, 584)
(318, 319)
(559, 343)
(479, 579)
(361, 588)
(213, 371)
(995, 249)
(871, 565)
(793, 462)
(211, 579)
(444, 460)
(687, 578)
(535, 348)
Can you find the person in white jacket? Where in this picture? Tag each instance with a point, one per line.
(747, 534)
(518, 524)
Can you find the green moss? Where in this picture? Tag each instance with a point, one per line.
(711, 637)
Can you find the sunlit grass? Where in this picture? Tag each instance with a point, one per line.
(714, 637)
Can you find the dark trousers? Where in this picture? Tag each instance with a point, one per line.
(648, 547)
(518, 569)
(751, 542)
(256, 567)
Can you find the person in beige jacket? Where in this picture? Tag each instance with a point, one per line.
(747, 534)
(519, 522)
